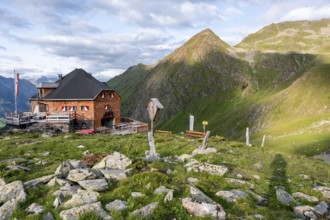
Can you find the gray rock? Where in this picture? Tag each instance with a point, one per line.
(114, 174)
(310, 215)
(35, 209)
(81, 147)
(146, 210)
(74, 213)
(204, 209)
(40, 180)
(258, 216)
(136, 194)
(114, 161)
(239, 182)
(13, 190)
(192, 180)
(209, 168)
(284, 197)
(67, 190)
(117, 205)
(303, 196)
(59, 200)
(49, 216)
(46, 135)
(161, 190)
(81, 198)
(17, 167)
(7, 209)
(321, 208)
(256, 177)
(6, 138)
(86, 152)
(63, 169)
(77, 175)
(2, 182)
(324, 190)
(169, 196)
(204, 151)
(13, 161)
(45, 154)
(199, 196)
(260, 200)
(300, 210)
(305, 177)
(232, 195)
(94, 185)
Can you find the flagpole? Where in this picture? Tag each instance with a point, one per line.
(15, 92)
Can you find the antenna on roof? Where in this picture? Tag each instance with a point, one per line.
(60, 76)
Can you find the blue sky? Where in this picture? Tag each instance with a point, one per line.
(105, 37)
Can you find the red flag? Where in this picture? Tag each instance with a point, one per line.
(16, 83)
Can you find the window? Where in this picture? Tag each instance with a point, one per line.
(111, 95)
(102, 95)
(65, 108)
(73, 108)
(106, 107)
(84, 108)
(47, 108)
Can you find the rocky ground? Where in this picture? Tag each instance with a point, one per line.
(77, 188)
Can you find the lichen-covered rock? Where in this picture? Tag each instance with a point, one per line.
(232, 195)
(324, 190)
(114, 174)
(209, 168)
(284, 197)
(74, 213)
(184, 157)
(321, 208)
(146, 210)
(67, 190)
(117, 205)
(2, 182)
(49, 216)
(204, 209)
(7, 209)
(137, 194)
(169, 196)
(204, 151)
(35, 209)
(94, 185)
(114, 161)
(77, 175)
(63, 169)
(199, 196)
(81, 198)
(160, 190)
(303, 196)
(13, 190)
(40, 180)
(59, 200)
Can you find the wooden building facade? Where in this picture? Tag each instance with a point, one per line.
(78, 97)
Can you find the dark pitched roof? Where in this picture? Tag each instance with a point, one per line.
(77, 85)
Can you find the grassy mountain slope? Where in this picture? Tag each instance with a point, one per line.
(303, 36)
(273, 93)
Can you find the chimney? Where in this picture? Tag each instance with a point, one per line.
(60, 76)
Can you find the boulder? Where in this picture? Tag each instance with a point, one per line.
(35, 209)
(321, 208)
(79, 174)
(146, 210)
(169, 196)
(40, 180)
(199, 196)
(284, 197)
(204, 209)
(239, 182)
(74, 213)
(160, 190)
(59, 200)
(67, 190)
(232, 195)
(94, 185)
(260, 200)
(63, 169)
(7, 209)
(192, 180)
(209, 168)
(81, 198)
(301, 211)
(324, 190)
(114, 161)
(114, 174)
(46, 135)
(117, 205)
(303, 196)
(49, 216)
(13, 190)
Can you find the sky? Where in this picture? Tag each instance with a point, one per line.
(105, 37)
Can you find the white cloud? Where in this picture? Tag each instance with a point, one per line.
(107, 74)
(308, 13)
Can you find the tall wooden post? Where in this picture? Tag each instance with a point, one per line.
(247, 137)
(263, 140)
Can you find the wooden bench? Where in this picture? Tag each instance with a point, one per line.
(163, 132)
(195, 134)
